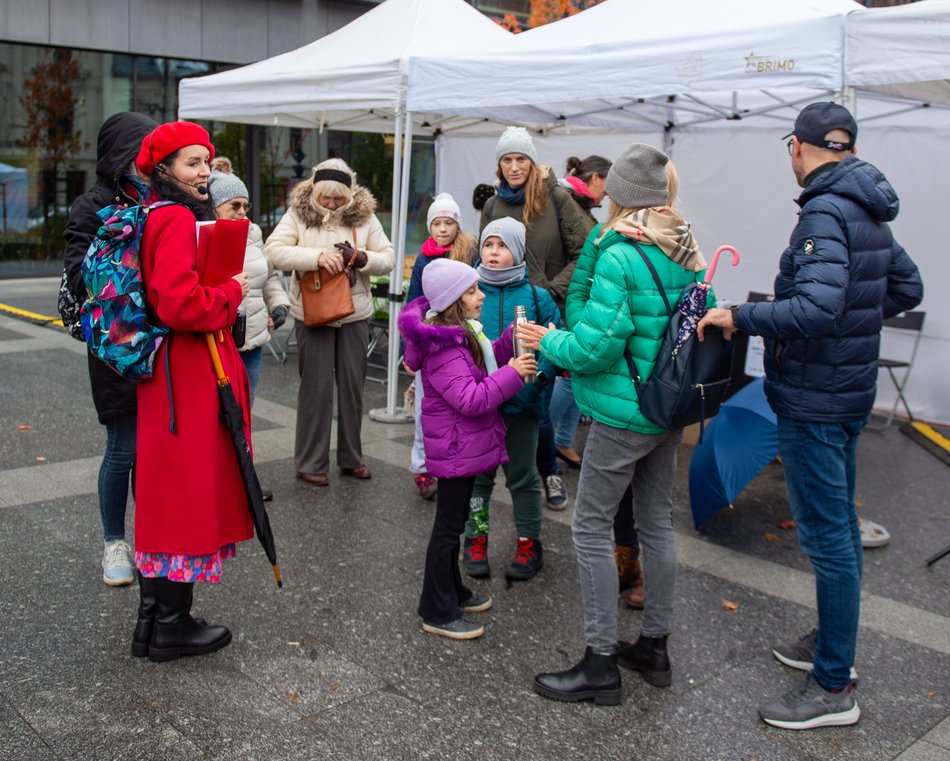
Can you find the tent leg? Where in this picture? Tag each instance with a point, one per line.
(400, 214)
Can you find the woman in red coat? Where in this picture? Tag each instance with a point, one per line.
(190, 504)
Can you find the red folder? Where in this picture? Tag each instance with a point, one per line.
(221, 250)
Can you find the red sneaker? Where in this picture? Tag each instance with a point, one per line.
(427, 485)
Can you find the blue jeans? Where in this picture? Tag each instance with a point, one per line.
(564, 412)
(115, 473)
(252, 363)
(819, 461)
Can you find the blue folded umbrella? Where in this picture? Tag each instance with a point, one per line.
(739, 442)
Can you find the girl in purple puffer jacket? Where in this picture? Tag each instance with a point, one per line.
(465, 380)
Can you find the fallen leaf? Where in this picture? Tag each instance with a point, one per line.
(858, 503)
(786, 525)
(730, 605)
(932, 694)
(335, 686)
(772, 537)
(40, 459)
(294, 697)
(24, 427)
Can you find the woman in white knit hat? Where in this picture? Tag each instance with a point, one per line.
(556, 230)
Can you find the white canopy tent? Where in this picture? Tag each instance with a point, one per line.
(901, 51)
(353, 79)
(638, 64)
(717, 84)
(714, 83)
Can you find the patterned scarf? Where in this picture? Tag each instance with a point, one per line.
(660, 226)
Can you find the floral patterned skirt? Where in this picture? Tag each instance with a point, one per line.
(184, 567)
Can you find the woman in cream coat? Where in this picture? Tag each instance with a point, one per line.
(327, 209)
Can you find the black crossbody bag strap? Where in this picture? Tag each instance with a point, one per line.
(634, 373)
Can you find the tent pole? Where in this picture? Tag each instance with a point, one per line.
(402, 150)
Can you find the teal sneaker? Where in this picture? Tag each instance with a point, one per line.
(117, 569)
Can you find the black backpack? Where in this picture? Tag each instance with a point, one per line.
(688, 384)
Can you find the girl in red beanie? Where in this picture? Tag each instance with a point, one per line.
(190, 505)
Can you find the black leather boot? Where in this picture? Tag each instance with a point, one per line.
(175, 633)
(648, 656)
(142, 635)
(595, 678)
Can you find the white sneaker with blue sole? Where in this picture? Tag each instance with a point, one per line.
(117, 568)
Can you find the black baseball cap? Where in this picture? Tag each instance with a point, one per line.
(818, 119)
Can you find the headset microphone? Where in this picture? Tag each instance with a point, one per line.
(202, 189)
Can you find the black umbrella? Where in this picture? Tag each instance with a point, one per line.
(233, 418)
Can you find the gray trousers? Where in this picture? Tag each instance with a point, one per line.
(324, 356)
(615, 458)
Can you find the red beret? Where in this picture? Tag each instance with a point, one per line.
(165, 139)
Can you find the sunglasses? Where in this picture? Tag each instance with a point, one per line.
(240, 206)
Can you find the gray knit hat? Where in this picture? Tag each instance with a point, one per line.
(638, 178)
(511, 232)
(516, 140)
(224, 187)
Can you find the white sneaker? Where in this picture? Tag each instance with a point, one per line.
(117, 569)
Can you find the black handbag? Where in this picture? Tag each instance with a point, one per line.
(687, 384)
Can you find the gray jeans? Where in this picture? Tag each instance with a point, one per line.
(613, 459)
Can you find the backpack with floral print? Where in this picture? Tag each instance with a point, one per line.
(114, 318)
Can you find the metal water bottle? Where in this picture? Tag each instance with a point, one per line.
(517, 345)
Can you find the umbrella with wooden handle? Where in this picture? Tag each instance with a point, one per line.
(232, 415)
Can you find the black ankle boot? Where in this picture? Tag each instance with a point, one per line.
(595, 678)
(147, 606)
(175, 633)
(648, 656)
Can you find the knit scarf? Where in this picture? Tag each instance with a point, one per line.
(475, 328)
(501, 277)
(432, 249)
(511, 196)
(661, 227)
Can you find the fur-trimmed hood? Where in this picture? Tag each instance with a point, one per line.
(355, 214)
(422, 338)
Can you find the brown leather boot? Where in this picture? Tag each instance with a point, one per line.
(634, 598)
(628, 566)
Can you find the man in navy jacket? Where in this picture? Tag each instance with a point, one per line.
(840, 277)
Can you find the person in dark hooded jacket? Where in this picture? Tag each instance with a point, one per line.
(120, 138)
(841, 276)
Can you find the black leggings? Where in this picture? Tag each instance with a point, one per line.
(442, 589)
(625, 530)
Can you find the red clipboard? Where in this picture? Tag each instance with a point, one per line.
(221, 250)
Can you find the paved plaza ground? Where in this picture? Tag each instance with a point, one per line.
(334, 666)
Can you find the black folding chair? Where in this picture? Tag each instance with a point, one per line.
(910, 326)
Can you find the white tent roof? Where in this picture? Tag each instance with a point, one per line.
(902, 51)
(615, 64)
(352, 79)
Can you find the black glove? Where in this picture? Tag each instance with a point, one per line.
(279, 316)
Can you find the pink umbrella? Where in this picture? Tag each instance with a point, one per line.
(693, 304)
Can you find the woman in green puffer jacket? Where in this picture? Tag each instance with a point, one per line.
(624, 312)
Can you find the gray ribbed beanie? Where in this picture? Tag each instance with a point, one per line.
(516, 140)
(512, 234)
(638, 178)
(225, 187)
